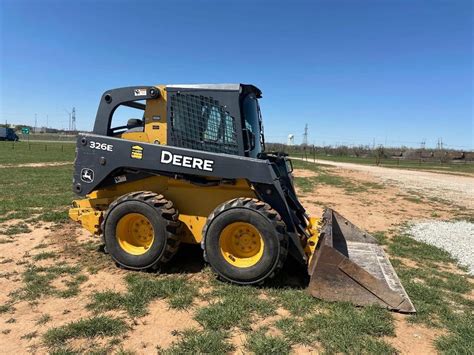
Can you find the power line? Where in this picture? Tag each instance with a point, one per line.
(305, 135)
(423, 143)
(72, 119)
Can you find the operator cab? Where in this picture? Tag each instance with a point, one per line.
(219, 118)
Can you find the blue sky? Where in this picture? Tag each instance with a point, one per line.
(397, 72)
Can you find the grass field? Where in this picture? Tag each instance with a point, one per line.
(55, 137)
(461, 167)
(35, 152)
(28, 192)
(276, 318)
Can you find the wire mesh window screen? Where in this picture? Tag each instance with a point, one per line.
(200, 122)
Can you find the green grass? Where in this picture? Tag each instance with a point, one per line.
(193, 341)
(6, 308)
(393, 163)
(141, 290)
(45, 318)
(65, 351)
(30, 335)
(261, 344)
(404, 246)
(460, 340)
(438, 279)
(38, 282)
(381, 237)
(439, 295)
(72, 286)
(16, 229)
(305, 184)
(44, 191)
(54, 216)
(342, 328)
(44, 255)
(233, 306)
(297, 301)
(35, 152)
(101, 326)
(41, 246)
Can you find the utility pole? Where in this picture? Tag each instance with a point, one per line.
(35, 122)
(47, 125)
(73, 119)
(423, 143)
(305, 135)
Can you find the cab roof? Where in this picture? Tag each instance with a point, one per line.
(224, 87)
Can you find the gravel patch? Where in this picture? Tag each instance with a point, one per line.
(457, 238)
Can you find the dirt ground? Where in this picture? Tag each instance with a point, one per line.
(20, 330)
(374, 209)
(457, 188)
(33, 165)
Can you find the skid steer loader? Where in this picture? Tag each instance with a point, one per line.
(192, 168)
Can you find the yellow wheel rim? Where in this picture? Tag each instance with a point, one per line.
(241, 244)
(135, 233)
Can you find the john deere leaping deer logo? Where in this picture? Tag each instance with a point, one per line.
(87, 175)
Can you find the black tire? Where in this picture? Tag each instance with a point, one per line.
(162, 216)
(271, 228)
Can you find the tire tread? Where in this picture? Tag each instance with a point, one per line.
(165, 208)
(267, 211)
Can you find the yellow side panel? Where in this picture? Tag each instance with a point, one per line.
(136, 136)
(156, 118)
(155, 121)
(193, 202)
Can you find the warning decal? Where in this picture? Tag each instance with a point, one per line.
(139, 92)
(137, 152)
